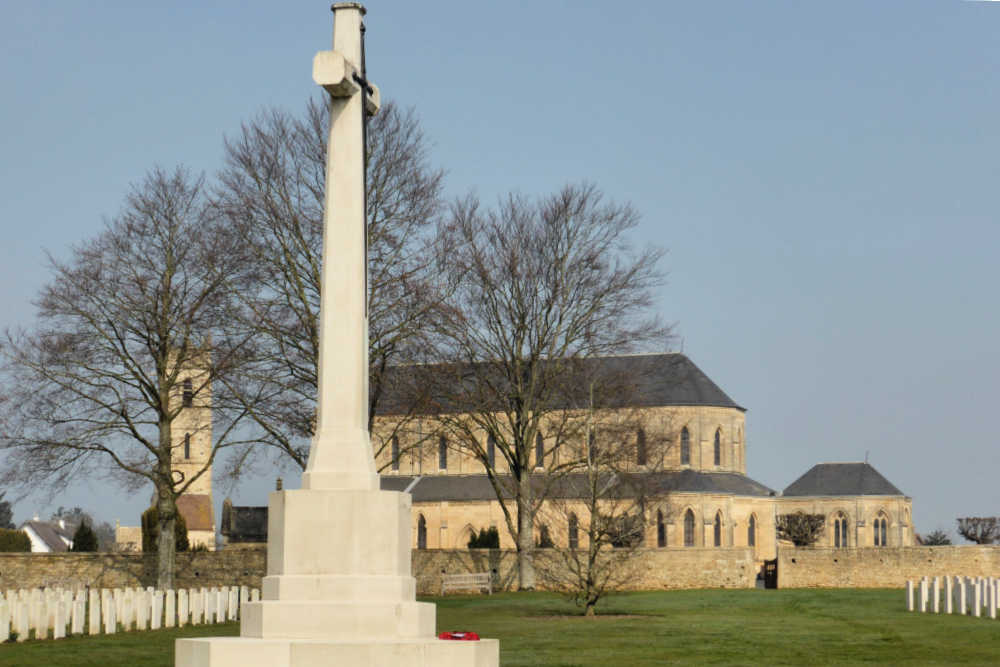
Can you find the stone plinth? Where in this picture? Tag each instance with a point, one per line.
(338, 590)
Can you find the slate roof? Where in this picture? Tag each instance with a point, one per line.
(842, 479)
(645, 380)
(51, 534)
(244, 524)
(457, 488)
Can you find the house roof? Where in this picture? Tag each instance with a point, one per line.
(197, 511)
(645, 380)
(458, 488)
(51, 534)
(842, 479)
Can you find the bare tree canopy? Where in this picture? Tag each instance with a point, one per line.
(599, 513)
(272, 190)
(980, 529)
(537, 286)
(96, 385)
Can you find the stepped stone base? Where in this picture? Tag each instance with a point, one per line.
(431, 652)
(338, 591)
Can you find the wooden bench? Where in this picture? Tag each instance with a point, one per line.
(477, 581)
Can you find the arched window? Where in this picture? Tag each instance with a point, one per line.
(752, 531)
(640, 447)
(188, 393)
(421, 532)
(539, 450)
(840, 531)
(442, 453)
(661, 530)
(395, 452)
(881, 529)
(717, 451)
(689, 528)
(685, 446)
(574, 532)
(187, 445)
(592, 446)
(491, 452)
(717, 530)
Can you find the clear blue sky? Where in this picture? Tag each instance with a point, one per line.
(824, 175)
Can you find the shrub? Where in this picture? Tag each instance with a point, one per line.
(14, 540)
(151, 531)
(84, 539)
(488, 538)
(937, 538)
(802, 529)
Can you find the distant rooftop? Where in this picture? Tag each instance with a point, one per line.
(842, 479)
(458, 488)
(647, 380)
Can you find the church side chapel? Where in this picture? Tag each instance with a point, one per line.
(677, 432)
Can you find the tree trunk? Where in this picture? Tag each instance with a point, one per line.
(525, 536)
(166, 543)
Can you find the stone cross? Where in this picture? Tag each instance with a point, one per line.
(341, 455)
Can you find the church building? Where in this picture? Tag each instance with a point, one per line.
(700, 494)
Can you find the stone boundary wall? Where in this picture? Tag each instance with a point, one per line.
(873, 567)
(240, 567)
(652, 569)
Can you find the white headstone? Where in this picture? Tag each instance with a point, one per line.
(232, 609)
(23, 615)
(41, 618)
(4, 620)
(142, 607)
(221, 599)
(94, 613)
(936, 595)
(909, 595)
(59, 619)
(79, 612)
(156, 618)
(169, 609)
(949, 595)
(183, 611)
(254, 595)
(977, 599)
(923, 595)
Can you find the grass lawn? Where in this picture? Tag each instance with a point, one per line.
(746, 627)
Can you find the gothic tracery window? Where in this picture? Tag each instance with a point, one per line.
(421, 532)
(840, 531)
(689, 528)
(685, 446)
(574, 532)
(717, 530)
(717, 451)
(640, 447)
(752, 531)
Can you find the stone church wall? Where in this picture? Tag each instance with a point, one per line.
(653, 569)
(882, 568)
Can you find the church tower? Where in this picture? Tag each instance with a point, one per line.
(191, 449)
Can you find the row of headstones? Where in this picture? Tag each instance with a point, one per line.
(954, 595)
(55, 612)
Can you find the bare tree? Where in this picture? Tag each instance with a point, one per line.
(272, 191)
(600, 510)
(539, 287)
(802, 529)
(121, 349)
(978, 529)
